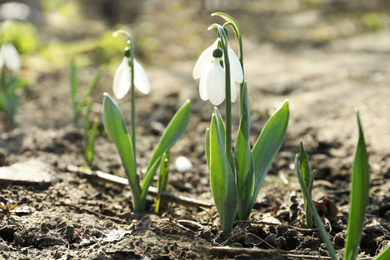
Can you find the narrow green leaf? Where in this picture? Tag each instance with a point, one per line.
(208, 147)
(162, 180)
(313, 209)
(360, 187)
(222, 180)
(116, 129)
(86, 120)
(311, 181)
(267, 146)
(384, 255)
(90, 88)
(243, 161)
(305, 171)
(173, 132)
(92, 138)
(73, 83)
(148, 178)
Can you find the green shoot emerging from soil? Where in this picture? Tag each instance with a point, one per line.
(90, 133)
(125, 78)
(308, 178)
(7, 207)
(162, 180)
(86, 101)
(235, 179)
(78, 106)
(360, 185)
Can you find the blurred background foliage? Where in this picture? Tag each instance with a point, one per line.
(49, 32)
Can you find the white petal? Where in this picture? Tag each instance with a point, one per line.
(122, 79)
(215, 84)
(203, 83)
(11, 56)
(140, 79)
(235, 66)
(233, 90)
(204, 60)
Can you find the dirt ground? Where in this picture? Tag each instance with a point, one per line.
(324, 77)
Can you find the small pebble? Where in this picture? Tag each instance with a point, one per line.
(182, 164)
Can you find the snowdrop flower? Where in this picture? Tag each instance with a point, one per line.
(212, 75)
(9, 57)
(122, 78)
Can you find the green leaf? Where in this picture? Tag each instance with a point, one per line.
(308, 181)
(384, 255)
(360, 186)
(222, 180)
(91, 140)
(73, 84)
(313, 209)
(162, 180)
(173, 132)
(208, 147)
(87, 94)
(116, 129)
(148, 178)
(243, 161)
(90, 88)
(267, 146)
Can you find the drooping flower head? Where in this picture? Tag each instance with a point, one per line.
(9, 56)
(122, 78)
(210, 68)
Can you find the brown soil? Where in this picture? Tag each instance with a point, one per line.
(324, 83)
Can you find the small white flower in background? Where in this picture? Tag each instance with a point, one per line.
(122, 78)
(212, 75)
(182, 164)
(9, 57)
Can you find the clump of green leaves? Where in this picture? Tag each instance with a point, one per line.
(10, 83)
(90, 133)
(359, 198)
(116, 129)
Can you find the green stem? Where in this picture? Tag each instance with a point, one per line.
(232, 22)
(132, 100)
(228, 106)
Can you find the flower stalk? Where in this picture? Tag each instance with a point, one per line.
(129, 53)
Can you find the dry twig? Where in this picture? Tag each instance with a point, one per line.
(109, 178)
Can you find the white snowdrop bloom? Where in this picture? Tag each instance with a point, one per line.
(212, 84)
(212, 75)
(182, 164)
(9, 57)
(122, 78)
